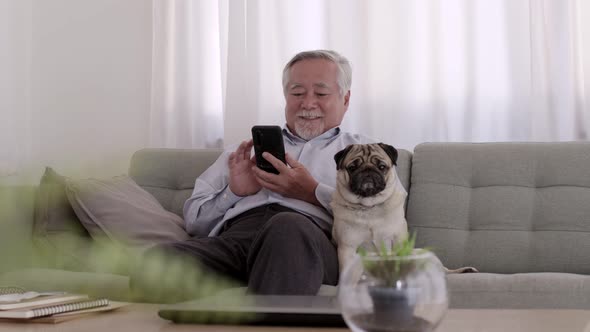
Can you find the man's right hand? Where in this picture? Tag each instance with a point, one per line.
(242, 181)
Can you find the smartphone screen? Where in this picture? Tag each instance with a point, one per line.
(268, 139)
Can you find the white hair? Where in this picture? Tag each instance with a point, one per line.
(344, 68)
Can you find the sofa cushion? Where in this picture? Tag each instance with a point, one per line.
(120, 210)
(519, 291)
(503, 207)
(57, 232)
(53, 212)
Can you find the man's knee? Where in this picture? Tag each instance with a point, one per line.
(154, 277)
(291, 256)
(167, 274)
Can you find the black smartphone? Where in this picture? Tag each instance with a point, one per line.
(268, 139)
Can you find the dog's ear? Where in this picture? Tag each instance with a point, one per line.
(339, 156)
(391, 152)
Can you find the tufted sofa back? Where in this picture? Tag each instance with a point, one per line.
(170, 174)
(503, 207)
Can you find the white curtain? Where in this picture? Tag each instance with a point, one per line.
(423, 70)
(15, 56)
(187, 73)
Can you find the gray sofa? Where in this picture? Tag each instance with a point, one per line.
(519, 212)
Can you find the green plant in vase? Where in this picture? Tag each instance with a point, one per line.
(389, 272)
(391, 264)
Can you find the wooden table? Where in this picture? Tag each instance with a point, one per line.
(144, 318)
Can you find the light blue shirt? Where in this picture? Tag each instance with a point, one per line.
(212, 202)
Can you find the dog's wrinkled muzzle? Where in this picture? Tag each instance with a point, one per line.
(367, 183)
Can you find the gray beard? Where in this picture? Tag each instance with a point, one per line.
(308, 132)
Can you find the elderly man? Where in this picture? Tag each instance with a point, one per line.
(272, 231)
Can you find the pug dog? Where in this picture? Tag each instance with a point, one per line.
(368, 203)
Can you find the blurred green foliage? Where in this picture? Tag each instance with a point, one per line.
(155, 276)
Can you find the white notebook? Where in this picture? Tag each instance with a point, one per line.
(38, 300)
(53, 309)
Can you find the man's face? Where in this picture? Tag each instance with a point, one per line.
(313, 101)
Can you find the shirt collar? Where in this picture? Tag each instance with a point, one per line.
(326, 135)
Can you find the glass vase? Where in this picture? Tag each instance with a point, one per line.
(393, 293)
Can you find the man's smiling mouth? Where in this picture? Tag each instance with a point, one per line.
(315, 117)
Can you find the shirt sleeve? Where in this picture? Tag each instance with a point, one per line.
(323, 193)
(210, 200)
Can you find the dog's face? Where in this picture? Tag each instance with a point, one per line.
(366, 170)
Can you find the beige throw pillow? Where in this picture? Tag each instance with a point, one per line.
(122, 211)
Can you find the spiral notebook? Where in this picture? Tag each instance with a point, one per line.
(42, 301)
(66, 316)
(11, 290)
(16, 303)
(53, 309)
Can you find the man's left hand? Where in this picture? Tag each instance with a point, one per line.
(294, 182)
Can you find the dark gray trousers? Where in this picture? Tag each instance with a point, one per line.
(272, 249)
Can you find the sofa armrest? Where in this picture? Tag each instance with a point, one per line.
(16, 224)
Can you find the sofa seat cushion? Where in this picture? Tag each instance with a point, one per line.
(519, 291)
(112, 286)
(502, 291)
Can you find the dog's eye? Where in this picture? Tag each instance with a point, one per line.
(351, 168)
(382, 167)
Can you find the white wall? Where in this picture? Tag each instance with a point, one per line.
(14, 80)
(88, 85)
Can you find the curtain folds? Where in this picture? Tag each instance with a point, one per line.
(422, 71)
(187, 69)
